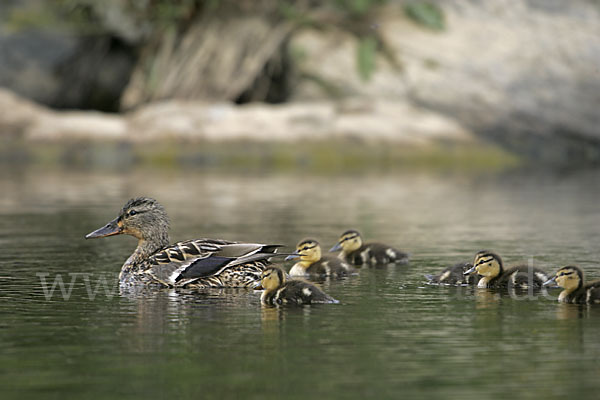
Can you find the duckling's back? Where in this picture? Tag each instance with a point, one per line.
(296, 291)
(588, 294)
(374, 253)
(520, 276)
(330, 266)
(454, 275)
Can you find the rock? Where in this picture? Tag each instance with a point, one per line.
(188, 121)
(52, 126)
(521, 72)
(61, 68)
(18, 115)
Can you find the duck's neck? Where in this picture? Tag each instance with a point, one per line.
(305, 263)
(267, 296)
(297, 270)
(483, 282)
(563, 296)
(145, 248)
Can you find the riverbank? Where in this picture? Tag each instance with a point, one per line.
(518, 73)
(318, 136)
(309, 156)
(193, 121)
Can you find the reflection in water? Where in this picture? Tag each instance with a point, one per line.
(570, 311)
(159, 311)
(390, 334)
(487, 298)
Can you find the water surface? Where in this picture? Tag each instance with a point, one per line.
(391, 336)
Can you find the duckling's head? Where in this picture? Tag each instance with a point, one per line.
(272, 278)
(349, 241)
(486, 264)
(142, 217)
(309, 251)
(569, 278)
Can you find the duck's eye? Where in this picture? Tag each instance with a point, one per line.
(132, 213)
(304, 248)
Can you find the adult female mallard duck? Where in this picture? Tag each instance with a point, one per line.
(354, 251)
(313, 263)
(489, 266)
(278, 289)
(454, 275)
(199, 263)
(575, 291)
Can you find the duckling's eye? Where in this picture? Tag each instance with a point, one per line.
(305, 248)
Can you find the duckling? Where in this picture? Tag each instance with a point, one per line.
(489, 266)
(575, 291)
(356, 252)
(199, 263)
(277, 289)
(454, 275)
(313, 263)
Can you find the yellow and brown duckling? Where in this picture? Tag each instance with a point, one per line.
(493, 275)
(576, 291)
(279, 290)
(454, 275)
(314, 263)
(356, 252)
(199, 263)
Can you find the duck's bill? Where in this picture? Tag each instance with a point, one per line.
(337, 247)
(469, 271)
(292, 256)
(110, 229)
(551, 281)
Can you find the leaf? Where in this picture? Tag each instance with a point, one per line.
(427, 14)
(366, 53)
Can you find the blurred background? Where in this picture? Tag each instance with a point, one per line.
(440, 127)
(416, 81)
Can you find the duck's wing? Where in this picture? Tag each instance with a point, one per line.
(454, 275)
(523, 276)
(379, 253)
(331, 265)
(591, 293)
(185, 262)
(298, 291)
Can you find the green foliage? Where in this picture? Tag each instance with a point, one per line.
(62, 15)
(358, 7)
(365, 57)
(427, 14)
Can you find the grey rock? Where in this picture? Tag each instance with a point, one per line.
(190, 121)
(61, 68)
(523, 73)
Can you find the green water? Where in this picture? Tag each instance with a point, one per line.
(391, 336)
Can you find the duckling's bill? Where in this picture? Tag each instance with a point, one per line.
(551, 281)
(470, 270)
(337, 247)
(112, 228)
(292, 256)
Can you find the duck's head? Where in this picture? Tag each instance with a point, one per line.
(349, 241)
(569, 278)
(308, 250)
(142, 217)
(272, 278)
(486, 264)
